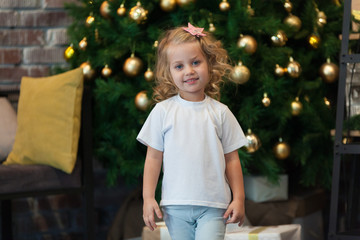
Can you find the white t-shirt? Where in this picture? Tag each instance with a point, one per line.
(193, 136)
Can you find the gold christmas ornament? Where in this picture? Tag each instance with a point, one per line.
(293, 68)
(314, 40)
(253, 142)
(149, 75)
(142, 101)
(121, 11)
(132, 66)
(288, 6)
(138, 13)
(248, 43)
(293, 21)
(240, 74)
(296, 107)
(281, 150)
(183, 3)
(321, 18)
(327, 102)
(156, 44)
(306, 98)
(105, 9)
(96, 33)
(279, 39)
(329, 72)
(168, 5)
(266, 100)
(224, 6)
(89, 20)
(337, 2)
(279, 71)
(69, 52)
(212, 27)
(87, 70)
(346, 140)
(83, 44)
(250, 10)
(106, 71)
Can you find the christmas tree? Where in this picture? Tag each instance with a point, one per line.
(281, 89)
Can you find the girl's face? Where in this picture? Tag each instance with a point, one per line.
(189, 70)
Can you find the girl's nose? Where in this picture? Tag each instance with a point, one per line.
(189, 70)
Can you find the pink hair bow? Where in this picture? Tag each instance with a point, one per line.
(194, 30)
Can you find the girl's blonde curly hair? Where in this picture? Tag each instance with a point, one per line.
(216, 55)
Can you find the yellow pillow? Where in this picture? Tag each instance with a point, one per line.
(48, 119)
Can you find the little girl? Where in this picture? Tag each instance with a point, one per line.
(195, 137)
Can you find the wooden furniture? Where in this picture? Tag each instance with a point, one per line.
(345, 152)
(20, 181)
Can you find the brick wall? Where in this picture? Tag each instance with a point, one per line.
(32, 38)
(32, 41)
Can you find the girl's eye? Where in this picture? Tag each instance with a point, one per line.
(195, 63)
(178, 67)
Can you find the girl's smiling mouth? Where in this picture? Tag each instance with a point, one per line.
(191, 80)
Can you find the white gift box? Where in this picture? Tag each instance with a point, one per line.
(312, 227)
(234, 232)
(160, 233)
(280, 232)
(259, 189)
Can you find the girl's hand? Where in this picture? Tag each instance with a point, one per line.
(152, 170)
(150, 206)
(236, 212)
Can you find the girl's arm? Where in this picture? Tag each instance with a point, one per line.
(233, 171)
(152, 170)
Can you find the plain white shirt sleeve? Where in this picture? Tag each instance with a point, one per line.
(233, 136)
(151, 133)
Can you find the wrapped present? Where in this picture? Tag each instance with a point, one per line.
(312, 227)
(234, 232)
(259, 189)
(280, 232)
(160, 233)
(304, 208)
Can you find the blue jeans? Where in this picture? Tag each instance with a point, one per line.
(194, 222)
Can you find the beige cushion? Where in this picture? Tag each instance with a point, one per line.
(7, 127)
(49, 114)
